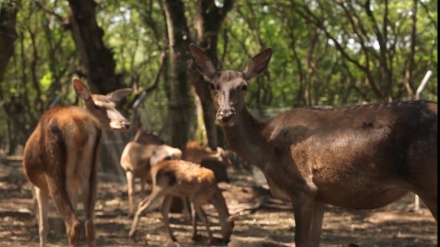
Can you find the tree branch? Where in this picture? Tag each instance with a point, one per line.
(63, 21)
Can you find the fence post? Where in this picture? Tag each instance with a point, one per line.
(417, 97)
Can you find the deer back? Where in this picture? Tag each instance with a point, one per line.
(71, 130)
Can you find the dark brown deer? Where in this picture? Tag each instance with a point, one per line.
(358, 157)
(186, 179)
(62, 154)
(139, 155)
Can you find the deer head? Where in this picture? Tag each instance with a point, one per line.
(228, 87)
(103, 107)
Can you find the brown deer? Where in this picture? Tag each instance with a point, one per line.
(218, 161)
(196, 153)
(139, 155)
(62, 154)
(358, 157)
(186, 179)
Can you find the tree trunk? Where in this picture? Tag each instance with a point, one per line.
(208, 22)
(98, 64)
(180, 106)
(8, 35)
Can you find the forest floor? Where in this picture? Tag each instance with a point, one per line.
(270, 224)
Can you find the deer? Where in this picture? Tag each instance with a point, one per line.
(186, 179)
(355, 157)
(139, 156)
(62, 154)
(196, 153)
(218, 161)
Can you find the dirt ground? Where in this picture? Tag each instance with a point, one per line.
(271, 224)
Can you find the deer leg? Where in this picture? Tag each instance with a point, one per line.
(194, 222)
(143, 182)
(198, 208)
(303, 209)
(62, 202)
(425, 186)
(318, 216)
(89, 190)
(187, 208)
(42, 198)
(430, 202)
(35, 205)
(144, 205)
(165, 211)
(130, 185)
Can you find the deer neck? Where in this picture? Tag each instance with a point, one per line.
(246, 138)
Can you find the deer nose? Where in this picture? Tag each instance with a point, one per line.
(126, 124)
(225, 114)
(226, 241)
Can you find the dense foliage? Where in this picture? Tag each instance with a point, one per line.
(325, 53)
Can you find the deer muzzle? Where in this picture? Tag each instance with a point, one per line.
(121, 125)
(224, 115)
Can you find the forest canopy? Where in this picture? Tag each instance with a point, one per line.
(325, 53)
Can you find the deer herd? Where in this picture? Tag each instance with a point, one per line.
(354, 157)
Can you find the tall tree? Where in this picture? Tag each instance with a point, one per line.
(208, 22)
(8, 35)
(180, 105)
(98, 64)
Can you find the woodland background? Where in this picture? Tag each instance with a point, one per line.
(326, 52)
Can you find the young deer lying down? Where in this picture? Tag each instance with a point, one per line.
(186, 179)
(139, 155)
(359, 157)
(62, 154)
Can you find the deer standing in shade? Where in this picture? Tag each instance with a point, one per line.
(139, 155)
(358, 157)
(62, 154)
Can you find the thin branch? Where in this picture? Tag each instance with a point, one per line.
(433, 21)
(60, 19)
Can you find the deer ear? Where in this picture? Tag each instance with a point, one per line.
(81, 90)
(258, 64)
(202, 62)
(119, 94)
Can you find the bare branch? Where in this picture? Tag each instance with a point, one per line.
(63, 21)
(433, 21)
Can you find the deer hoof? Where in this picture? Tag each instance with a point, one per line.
(132, 235)
(196, 238)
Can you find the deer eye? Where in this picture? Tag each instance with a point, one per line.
(211, 86)
(244, 87)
